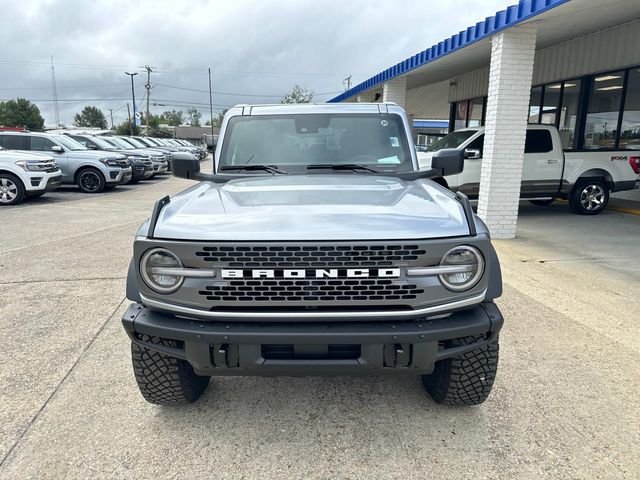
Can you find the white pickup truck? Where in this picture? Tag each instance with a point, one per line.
(584, 178)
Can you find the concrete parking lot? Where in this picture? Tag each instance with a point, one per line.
(565, 403)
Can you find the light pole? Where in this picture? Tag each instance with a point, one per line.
(133, 94)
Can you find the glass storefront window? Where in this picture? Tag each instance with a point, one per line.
(534, 105)
(550, 103)
(630, 129)
(569, 113)
(603, 112)
(475, 112)
(461, 115)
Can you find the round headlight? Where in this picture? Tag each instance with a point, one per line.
(471, 266)
(153, 269)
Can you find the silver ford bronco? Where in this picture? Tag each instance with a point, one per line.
(316, 247)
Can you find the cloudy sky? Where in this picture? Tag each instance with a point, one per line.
(257, 50)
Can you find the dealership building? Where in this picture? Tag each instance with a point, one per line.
(574, 64)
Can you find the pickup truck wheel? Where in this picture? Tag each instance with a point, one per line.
(162, 379)
(589, 196)
(466, 379)
(90, 180)
(542, 203)
(11, 189)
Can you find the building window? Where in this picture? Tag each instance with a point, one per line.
(534, 104)
(566, 122)
(605, 98)
(630, 126)
(461, 115)
(550, 103)
(476, 109)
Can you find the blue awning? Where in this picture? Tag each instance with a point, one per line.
(430, 124)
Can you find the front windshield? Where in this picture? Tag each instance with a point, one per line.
(69, 143)
(121, 143)
(297, 141)
(144, 141)
(453, 140)
(102, 144)
(136, 143)
(154, 142)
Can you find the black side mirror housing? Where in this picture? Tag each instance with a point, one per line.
(185, 165)
(448, 160)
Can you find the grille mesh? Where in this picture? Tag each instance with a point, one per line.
(316, 290)
(310, 256)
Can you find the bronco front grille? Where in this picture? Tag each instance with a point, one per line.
(323, 256)
(316, 290)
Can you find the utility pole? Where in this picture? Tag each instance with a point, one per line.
(111, 113)
(347, 82)
(133, 94)
(148, 87)
(55, 94)
(130, 124)
(210, 112)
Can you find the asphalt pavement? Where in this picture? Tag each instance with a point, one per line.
(565, 403)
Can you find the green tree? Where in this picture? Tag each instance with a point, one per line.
(90, 117)
(217, 120)
(298, 95)
(21, 113)
(173, 117)
(125, 129)
(193, 116)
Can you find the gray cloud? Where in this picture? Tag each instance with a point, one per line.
(258, 50)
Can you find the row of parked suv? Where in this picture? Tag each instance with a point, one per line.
(33, 163)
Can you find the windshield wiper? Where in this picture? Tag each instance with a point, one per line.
(266, 168)
(341, 166)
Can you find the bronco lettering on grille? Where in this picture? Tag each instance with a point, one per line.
(317, 273)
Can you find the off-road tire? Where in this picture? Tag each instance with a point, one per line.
(542, 203)
(14, 193)
(578, 201)
(466, 379)
(162, 379)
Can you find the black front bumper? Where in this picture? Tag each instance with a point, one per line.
(354, 348)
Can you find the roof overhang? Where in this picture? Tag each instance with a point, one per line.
(470, 49)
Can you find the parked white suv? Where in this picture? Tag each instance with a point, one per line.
(26, 175)
(584, 178)
(91, 170)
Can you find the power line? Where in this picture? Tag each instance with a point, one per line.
(60, 88)
(235, 94)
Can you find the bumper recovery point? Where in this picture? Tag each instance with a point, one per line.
(313, 348)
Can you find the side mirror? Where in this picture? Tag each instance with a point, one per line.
(92, 147)
(57, 149)
(448, 160)
(185, 165)
(472, 153)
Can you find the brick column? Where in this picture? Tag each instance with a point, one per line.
(512, 53)
(395, 90)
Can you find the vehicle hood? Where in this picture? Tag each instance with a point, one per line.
(16, 156)
(95, 154)
(312, 207)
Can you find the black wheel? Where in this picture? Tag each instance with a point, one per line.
(11, 189)
(589, 196)
(90, 180)
(466, 379)
(165, 380)
(542, 203)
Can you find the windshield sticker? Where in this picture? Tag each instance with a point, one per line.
(389, 160)
(384, 123)
(394, 141)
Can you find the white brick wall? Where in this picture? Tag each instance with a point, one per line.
(510, 73)
(395, 90)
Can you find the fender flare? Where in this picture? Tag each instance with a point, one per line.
(133, 292)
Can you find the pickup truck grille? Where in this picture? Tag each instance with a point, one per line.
(316, 290)
(325, 256)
